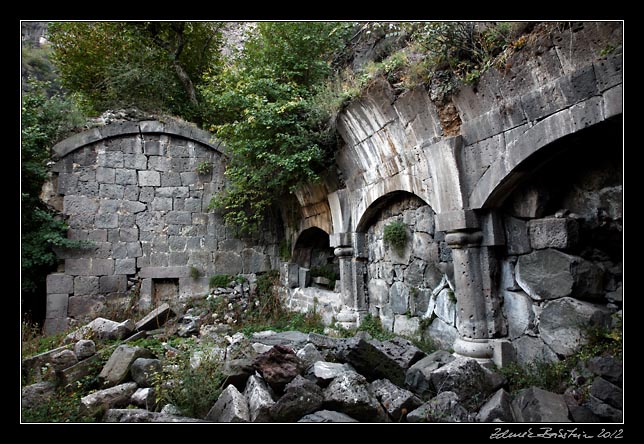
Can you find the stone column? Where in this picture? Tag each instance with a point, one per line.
(350, 251)
(471, 304)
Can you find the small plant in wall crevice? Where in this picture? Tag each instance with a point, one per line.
(395, 235)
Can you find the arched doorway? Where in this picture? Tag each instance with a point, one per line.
(312, 252)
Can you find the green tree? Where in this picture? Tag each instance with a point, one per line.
(155, 66)
(262, 106)
(44, 121)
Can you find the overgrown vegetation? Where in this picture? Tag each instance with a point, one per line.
(395, 235)
(220, 280)
(326, 271)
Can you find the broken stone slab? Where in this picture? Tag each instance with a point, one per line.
(145, 371)
(323, 372)
(300, 398)
(77, 372)
(34, 366)
(102, 329)
(607, 392)
(327, 416)
(349, 393)
(117, 367)
(84, 349)
(371, 361)
(444, 407)
(472, 382)
(292, 339)
(102, 400)
(397, 401)
(143, 416)
(156, 318)
(145, 397)
(36, 394)
(231, 406)
(63, 359)
(278, 367)
(260, 399)
(401, 351)
(537, 405)
(608, 367)
(562, 323)
(497, 408)
(417, 378)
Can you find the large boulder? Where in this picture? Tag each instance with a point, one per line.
(349, 393)
(102, 329)
(64, 359)
(278, 367)
(145, 371)
(417, 378)
(371, 361)
(117, 367)
(37, 394)
(562, 323)
(528, 349)
(401, 351)
(608, 367)
(102, 400)
(145, 397)
(397, 401)
(324, 372)
(300, 398)
(309, 355)
(497, 408)
(231, 406)
(84, 349)
(517, 308)
(444, 407)
(537, 405)
(260, 399)
(327, 416)
(607, 392)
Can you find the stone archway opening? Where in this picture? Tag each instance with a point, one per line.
(313, 254)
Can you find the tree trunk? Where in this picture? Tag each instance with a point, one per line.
(186, 82)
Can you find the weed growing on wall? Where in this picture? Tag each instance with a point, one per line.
(395, 235)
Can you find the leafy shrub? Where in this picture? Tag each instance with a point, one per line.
(395, 235)
(204, 168)
(220, 280)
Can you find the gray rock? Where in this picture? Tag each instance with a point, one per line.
(349, 393)
(517, 308)
(102, 329)
(77, 372)
(371, 361)
(33, 365)
(497, 408)
(607, 392)
(562, 323)
(231, 406)
(468, 379)
(156, 318)
(117, 367)
(327, 416)
(399, 297)
(36, 394)
(324, 372)
(292, 339)
(608, 367)
(615, 296)
(278, 367)
(516, 235)
(406, 326)
(445, 407)
(145, 397)
(604, 410)
(260, 399)
(84, 349)
(417, 378)
(528, 350)
(579, 413)
(397, 401)
(309, 355)
(537, 405)
(237, 372)
(401, 351)
(552, 232)
(102, 400)
(545, 274)
(63, 359)
(300, 398)
(441, 334)
(143, 416)
(145, 372)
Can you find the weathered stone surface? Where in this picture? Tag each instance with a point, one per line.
(399, 297)
(117, 368)
(537, 405)
(60, 283)
(324, 372)
(417, 378)
(545, 274)
(468, 379)
(145, 397)
(143, 416)
(497, 408)
(292, 339)
(260, 399)
(562, 323)
(149, 179)
(580, 413)
(349, 393)
(607, 392)
(63, 359)
(441, 334)
(445, 407)
(231, 406)
(309, 355)
(517, 308)
(36, 394)
(145, 371)
(102, 400)
(57, 305)
(401, 350)
(370, 361)
(77, 372)
(156, 318)
(407, 326)
(608, 367)
(445, 307)
(327, 416)
(529, 349)
(516, 236)
(102, 329)
(301, 397)
(553, 232)
(604, 410)
(278, 367)
(397, 401)
(237, 372)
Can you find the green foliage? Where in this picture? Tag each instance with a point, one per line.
(262, 107)
(195, 273)
(550, 376)
(204, 168)
(34, 342)
(395, 235)
(63, 406)
(155, 66)
(45, 120)
(221, 280)
(373, 326)
(36, 64)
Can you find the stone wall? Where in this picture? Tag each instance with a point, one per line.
(139, 192)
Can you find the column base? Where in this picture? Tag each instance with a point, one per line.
(479, 349)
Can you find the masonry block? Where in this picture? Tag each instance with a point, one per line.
(553, 232)
(60, 283)
(149, 179)
(57, 306)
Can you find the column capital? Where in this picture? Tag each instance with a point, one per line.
(343, 252)
(464, 239)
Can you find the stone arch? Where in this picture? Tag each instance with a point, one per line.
(312, 251)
